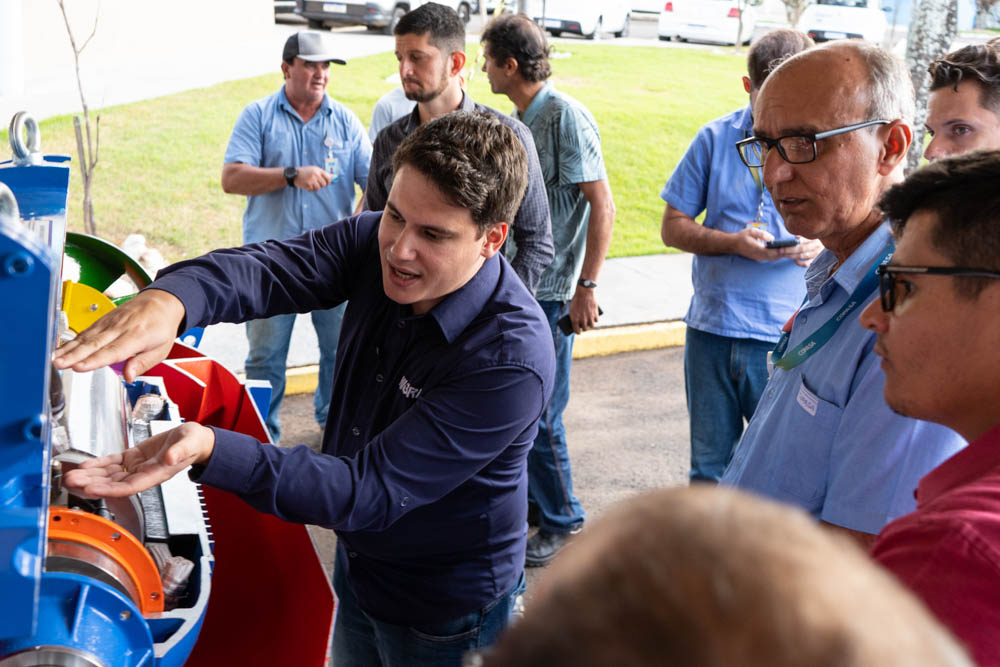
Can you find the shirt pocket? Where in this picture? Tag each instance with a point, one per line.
(811, 424)
(279, 149)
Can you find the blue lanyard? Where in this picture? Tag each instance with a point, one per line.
(822, 336)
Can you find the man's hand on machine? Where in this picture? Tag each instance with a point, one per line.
(151, 462)
(141, 331)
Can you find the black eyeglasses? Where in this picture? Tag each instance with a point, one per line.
(889, 287)
(794, 148)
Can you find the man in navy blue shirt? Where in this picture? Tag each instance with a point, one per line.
(444, 365)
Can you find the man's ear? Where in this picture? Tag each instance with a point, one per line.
(747, 84)
(457, 62)
(510, 66)
(284, 69)
(897, 142)
(494, 238)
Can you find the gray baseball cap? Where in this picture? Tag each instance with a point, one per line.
(310, 46)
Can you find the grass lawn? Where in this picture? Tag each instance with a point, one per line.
(160, 159)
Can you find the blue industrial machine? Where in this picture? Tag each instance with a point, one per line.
(84, 582)
(101, 583)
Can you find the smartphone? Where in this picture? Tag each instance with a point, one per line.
(566, 326)
(781, 243)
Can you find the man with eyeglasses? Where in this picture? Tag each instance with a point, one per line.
(831, 129)
(743, 290)
(938, 327)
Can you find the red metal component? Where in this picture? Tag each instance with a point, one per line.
(271, 601)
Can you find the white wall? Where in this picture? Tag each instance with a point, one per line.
(141, 49)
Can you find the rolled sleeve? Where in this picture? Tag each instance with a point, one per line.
(687, 188)
(245, 142)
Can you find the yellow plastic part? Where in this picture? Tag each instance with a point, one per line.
(84, 305)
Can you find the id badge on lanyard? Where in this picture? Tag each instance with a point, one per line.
(331, 164)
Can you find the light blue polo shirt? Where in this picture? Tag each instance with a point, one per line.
(270, 133)
(569, 151)
(823, 437)
(733, 296)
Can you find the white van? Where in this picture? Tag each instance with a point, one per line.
(845, 19)
(590, 18)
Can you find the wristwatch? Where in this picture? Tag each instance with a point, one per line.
(290, 174)
(589, 284)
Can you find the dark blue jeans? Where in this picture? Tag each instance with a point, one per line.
(269, 341)
(550, 480)
(724, 378)
(362, 641)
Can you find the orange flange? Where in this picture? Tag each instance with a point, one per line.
(97, 533)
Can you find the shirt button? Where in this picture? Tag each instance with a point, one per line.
(352, 554)
(770, 393)
(405, 501)
(379, 378)
(400, 324)
(803, 318)
(355, 430)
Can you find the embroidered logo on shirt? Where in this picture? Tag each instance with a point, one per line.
(407, 389)
(807, 400)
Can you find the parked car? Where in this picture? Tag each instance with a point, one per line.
(707, 21)
(845, 19)
(283, 7)
(376, 15)
(589, 18)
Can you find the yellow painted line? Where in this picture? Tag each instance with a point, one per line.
(615, 340)
(596, 343)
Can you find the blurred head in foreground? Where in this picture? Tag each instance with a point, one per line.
(704, 576)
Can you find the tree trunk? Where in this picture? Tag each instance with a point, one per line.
(794, 9)
(932, 30)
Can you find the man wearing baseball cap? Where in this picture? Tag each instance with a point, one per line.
(296, 155)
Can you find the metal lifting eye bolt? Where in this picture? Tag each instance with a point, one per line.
(25, 139)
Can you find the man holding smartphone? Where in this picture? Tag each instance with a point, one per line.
(583, 213)
(747, 270)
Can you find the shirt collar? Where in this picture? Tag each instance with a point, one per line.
(413, 120)
(536, 104)
(324, 106)
(457, 310)
(851, 272)
(975, 460)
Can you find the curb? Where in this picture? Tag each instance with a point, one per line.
(596, 343)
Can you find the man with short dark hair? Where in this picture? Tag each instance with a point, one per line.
(938, 326)
(296, 155)
(583, 214)
(445, 367)
(743, 290)
(963, 110)
(430, 48)
(831, 129)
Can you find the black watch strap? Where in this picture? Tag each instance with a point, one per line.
(290, 174)
(589, 284)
